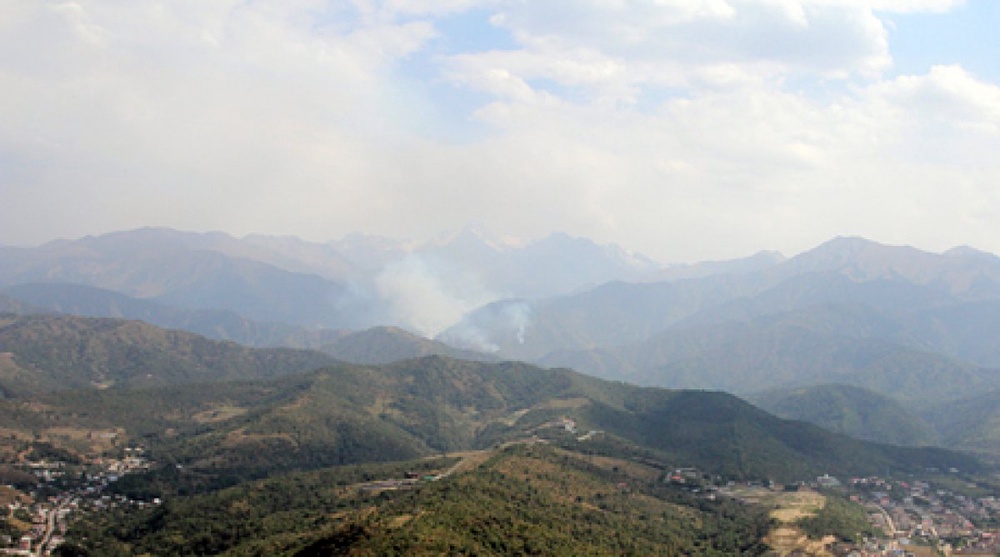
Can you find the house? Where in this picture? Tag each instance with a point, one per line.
(826, 480)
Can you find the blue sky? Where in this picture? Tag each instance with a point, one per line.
(682, 129)
(966, 36)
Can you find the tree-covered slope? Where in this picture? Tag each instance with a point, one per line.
(382, 345)
(90, 301)
(349, 414)
(62, 352)
(971, 424)
(525, 499)
(726, 435)
(376, 345)
(853, 411)
(787, 350)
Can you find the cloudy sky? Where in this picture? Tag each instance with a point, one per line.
(682, 129)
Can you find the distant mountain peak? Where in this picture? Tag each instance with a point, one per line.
(968, 252)
(861, 258)
(476, 235)
(847, 245)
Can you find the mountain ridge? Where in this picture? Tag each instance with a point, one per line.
(53, 352)
(853, 411)
(350, 414)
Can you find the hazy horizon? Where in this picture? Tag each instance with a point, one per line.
(681, 130)
(496, 240)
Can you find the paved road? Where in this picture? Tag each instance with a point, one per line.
(50, 528)
(888, 521)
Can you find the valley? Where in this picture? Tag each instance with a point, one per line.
(406, 278)
(132, 422)
(87, 503)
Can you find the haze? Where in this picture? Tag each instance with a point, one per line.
(682, 129)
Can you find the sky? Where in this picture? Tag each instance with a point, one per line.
(685, 130)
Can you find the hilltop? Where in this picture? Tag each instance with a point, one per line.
(54, 352)
(860, 413)
(522, 499)
(351, 414)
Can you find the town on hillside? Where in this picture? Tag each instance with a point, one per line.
(50, 490)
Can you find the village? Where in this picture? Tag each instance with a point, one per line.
(919, 513)
(37, 519)
(918, 517)
(912, 517)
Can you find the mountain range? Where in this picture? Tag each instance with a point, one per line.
(358, 282)
(912, 326)
(226, 409)
(289, 450)
(909, 324)
(900, 283)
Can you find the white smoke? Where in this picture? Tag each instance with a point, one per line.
(518, 315)
(427, 295)
(491, 327)
(468, 336)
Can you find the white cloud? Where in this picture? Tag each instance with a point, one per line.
(736, 169)
(946, 99)
(832, 38)
(680, 128)
(432, 7)
(252, 109)
(898, 6)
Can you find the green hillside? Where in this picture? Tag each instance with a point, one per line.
(726, 435)
(525, 499)
(782, 351)
(382, 345)
(853, 411)
(225, 432)
(971, 424)
(48, 352)
(527, 459)
(377, 345)
(90, 301)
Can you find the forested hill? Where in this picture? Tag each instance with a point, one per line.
(48, 352)
(519, 500)
(381, 345)
(854, 411)
(351, 414)
(252, 455)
